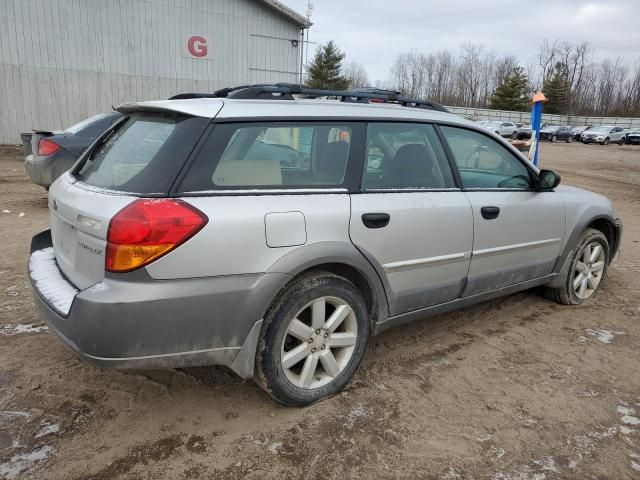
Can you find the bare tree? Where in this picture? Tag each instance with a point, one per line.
(356, 74)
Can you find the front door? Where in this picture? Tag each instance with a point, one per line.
(518, 231)
(410, 220)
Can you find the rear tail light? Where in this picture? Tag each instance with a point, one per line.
(147, 229)
(47, 147)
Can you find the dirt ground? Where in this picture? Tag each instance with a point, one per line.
(518, 388)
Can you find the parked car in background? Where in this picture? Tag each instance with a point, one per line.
(504, 129)
(48, 154)
(554, 133)
(633, 137)
(577, 131)
(604, 135)
(523, 133)
(161, 254)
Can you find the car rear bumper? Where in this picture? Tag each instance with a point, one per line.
(136, 322)
(43, 171)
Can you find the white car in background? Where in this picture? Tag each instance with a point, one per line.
(604, 135)
(504, 129)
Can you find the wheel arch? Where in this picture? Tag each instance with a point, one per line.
(341, 259)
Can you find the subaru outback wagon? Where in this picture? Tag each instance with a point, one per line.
(275, 235)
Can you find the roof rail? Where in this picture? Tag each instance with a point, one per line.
(286, 91)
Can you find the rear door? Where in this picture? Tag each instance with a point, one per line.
(410, 219)
(518, 231)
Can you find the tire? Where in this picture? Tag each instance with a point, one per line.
(553, 139)
(514, 136)
(288, 384)
(569, 293)
(621, 142)
(569, 139)
(606, 141)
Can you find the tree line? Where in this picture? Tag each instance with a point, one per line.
(572, 80)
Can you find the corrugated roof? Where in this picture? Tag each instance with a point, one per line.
(287, 12)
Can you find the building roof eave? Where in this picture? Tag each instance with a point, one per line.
(291, 14)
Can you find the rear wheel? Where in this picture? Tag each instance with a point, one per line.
(588, 268)
(569, 139)
(514, 135)
(312, 340)
(621, 142)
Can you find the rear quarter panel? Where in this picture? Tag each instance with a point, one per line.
(234, 241)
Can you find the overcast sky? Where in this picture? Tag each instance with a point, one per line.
(372, 32)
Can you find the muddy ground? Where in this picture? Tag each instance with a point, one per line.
(518, 388)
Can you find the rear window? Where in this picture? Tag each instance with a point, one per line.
(272, 155)
(143, 155)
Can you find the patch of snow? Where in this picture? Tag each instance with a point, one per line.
(49, 281)
(15, 413)
(630, 420)
(47, 429)
(355, 413)
(634, 455)
(17, 329)
(628, 415)
(547, 464)
(274, 447)
(6, 211)
(24, 461)
(604, 336)
(635, 466)
(21, 214)
(626, 430)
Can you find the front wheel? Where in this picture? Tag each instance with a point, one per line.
(313, 339)
(606, 141)
(569, 139)
(588, 268)
(621, 142)
(553, 139)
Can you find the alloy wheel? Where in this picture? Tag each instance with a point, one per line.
(589, 270)
(319, 342)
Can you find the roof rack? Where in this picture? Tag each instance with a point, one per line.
(286, 91)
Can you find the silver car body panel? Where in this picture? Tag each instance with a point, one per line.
(203, 303)
(522, 243)
(425, 256)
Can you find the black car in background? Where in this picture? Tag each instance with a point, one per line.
(633, 137)
(48, 154)
(576, 132)
(554, 133)
(523, 132)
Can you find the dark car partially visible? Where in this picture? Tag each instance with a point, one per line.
(633, 137)
(48, 154)
(553, 133)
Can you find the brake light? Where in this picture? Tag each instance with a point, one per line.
(147, 229)
(47, 147)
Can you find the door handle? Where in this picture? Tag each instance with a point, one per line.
(375, 220)
(490, 213)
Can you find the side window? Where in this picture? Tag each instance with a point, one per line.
(274, 155)
(483, 162)
(405, 155)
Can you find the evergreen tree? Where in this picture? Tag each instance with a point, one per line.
(513, 93)
(556, 89)
(325, 69)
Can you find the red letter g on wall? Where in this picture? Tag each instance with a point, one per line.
(197, 46)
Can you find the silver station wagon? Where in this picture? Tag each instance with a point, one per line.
(274, 233)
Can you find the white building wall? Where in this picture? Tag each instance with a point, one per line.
(64, 60)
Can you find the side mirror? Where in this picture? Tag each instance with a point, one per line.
(548, 180)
